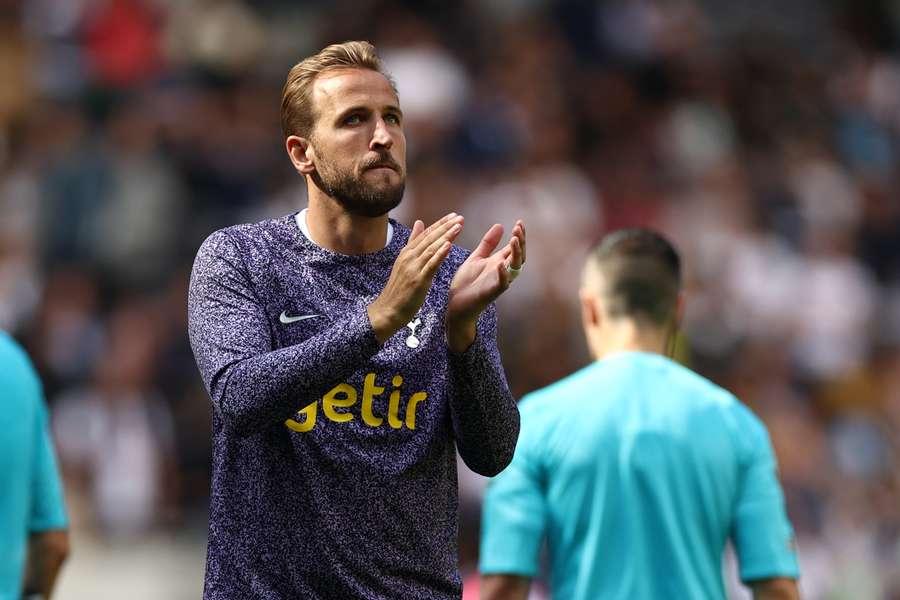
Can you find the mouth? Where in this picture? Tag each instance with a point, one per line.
(378, 166)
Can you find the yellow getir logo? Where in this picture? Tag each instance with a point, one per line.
(344, 396)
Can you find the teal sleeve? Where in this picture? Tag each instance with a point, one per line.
(762, 534)
(47, 506)
(513, 519)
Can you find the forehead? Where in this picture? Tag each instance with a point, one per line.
(338, 89)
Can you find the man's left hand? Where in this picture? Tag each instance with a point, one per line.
(480, 280)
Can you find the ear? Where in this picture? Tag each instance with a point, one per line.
(301, 153)
(590, 313)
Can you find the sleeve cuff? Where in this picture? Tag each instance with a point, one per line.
(48, 525)
(470, 355)
(499, 567)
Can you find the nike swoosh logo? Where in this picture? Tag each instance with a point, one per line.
(284, 318)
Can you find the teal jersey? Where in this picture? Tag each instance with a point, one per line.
(637, 471)
(31, 497)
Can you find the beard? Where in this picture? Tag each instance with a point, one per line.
(354, 194)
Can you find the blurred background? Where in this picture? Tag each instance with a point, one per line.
(762, 137)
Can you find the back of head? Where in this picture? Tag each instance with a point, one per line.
(636, 273)
(297, 111)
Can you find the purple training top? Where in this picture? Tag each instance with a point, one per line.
(334, 464)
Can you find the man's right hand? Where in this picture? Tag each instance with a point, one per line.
(412, 275)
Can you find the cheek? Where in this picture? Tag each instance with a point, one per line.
(336, 155)
(400, 148)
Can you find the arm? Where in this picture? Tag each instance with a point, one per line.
(762, 535)
(483, 411)
(251, 385)
(513, 522)
(505, 587)
(776, 588)
(47, 551)
(485, 417)
(48, 546)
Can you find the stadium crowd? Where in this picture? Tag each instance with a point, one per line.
(762, 137)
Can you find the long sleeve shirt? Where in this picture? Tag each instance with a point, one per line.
(334, 471)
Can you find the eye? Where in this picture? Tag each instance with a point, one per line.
(353, 120)
(392, 118)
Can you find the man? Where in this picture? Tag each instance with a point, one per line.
(635, 470)
(33, 524)
(347, 358)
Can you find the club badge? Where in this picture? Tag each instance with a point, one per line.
(412, 341)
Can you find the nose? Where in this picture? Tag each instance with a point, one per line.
(381, 137)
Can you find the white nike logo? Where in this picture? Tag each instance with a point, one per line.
(284, 318)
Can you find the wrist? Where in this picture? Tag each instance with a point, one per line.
(384, 322)
(460, 335)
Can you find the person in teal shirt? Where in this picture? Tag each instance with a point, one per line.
(635, 470)
(33, 523)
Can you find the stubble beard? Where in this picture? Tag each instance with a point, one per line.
(355, 195)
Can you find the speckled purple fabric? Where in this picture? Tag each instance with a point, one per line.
(334, 469)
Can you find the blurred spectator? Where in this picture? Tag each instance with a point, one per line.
(116, 433)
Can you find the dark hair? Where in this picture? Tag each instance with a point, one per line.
(641, 273)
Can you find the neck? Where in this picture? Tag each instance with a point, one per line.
(627, 336)
(333, 228)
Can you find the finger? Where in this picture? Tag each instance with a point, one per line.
(439, 230)
(442, 221)
(417, 229)
(437, 244)
(436, 259)
(489, 242)
(516, 253)
(521, 236)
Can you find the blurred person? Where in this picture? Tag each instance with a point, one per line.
(116, 433)
(67, 333)
(141, 228)
(33, 522)
(835, 304)
(635, 470)
(347, 358)
(222, 36)
(121, 42)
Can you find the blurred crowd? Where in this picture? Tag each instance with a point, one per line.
(762, 137)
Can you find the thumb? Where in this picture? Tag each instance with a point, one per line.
(489, 242)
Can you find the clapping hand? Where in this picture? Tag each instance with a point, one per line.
(480, 280)
(412, 275)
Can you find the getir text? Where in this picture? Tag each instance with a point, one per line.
(345, 396)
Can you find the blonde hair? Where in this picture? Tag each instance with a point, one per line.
(297, 115)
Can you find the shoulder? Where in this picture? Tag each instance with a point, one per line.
(689, 384)
(542, 408)
(743, 424)
(250, 235)
(14, 362)
(247, 242)
(12, 353)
